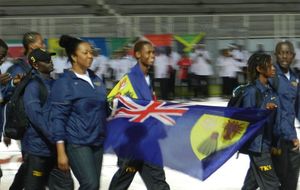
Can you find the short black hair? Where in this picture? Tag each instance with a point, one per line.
(3, 44)
(139, 45)
(28, 38)
(287, 42)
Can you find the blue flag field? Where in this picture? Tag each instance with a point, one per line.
(193, 139)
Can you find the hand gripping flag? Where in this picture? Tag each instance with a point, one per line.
(193, 139)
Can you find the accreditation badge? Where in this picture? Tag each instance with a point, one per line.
(295, 83)
(97, 83)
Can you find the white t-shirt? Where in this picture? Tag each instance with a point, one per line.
(288, 75)
(122, 66)
(85, 77)
(147, 78)
(200, 64)
(60, 64)
(99, 65)
(161, 66)
(228, 67)
(7, 64)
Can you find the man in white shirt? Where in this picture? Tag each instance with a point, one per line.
(228, 68)
(60, 63)
(201, 71)
(99, 64)
(161, 74)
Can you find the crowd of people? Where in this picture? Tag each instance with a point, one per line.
(68, 118)
(194, 70)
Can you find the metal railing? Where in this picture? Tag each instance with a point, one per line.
(215, 26)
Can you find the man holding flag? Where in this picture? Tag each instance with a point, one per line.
(137, 85)
(147, 135)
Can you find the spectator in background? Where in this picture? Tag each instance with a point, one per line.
(128, 54)
(60, 63)
(242, 78)
(260, 48)
(173, 58)
(201, 70)
(296, 65)
(240, 61)
(99, 64)
(184, 64)
(110, 73)
(161, 72)
(236, 52)
(120, 64)
(228, 69)
(128, 60)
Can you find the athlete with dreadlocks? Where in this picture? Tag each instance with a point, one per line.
(260, 94)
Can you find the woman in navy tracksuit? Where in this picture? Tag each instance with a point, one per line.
(260, 94)
(78, 115)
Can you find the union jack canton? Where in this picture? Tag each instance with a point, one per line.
(127, 108)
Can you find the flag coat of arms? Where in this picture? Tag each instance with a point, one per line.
(193, 139)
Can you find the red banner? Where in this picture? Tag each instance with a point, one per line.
(160, 39)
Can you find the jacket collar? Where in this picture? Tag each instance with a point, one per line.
(138, 81)
(281, 73)
(262, 88)
(72, 74)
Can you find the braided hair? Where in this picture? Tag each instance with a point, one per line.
(29, 38)
(257, 59)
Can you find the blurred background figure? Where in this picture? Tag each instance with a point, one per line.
(99, 64)
(228, 69)
(184, 64)
(260, 48)
(161, 72)
(296, 65)
(236, 52)
(60, 63)
(120, 64)
(201, 71)
(173, 58)
(8, 62)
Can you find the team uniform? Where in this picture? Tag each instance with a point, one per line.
(40, 157)
(287, 162)
(21, 66)
(78, 117)
(137, 86)
(261, 172)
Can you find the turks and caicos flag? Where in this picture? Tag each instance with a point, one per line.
(192, 139)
